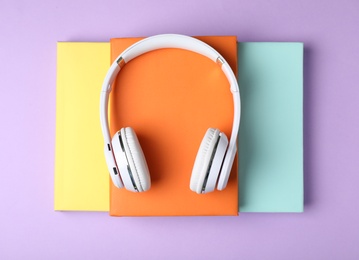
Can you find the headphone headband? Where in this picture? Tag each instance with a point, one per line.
(180, 42)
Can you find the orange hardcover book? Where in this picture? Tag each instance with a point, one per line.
(170, 97)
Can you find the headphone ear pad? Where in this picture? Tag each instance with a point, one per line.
(206, 156)
(136, 170)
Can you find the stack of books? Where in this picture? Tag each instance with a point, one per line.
(171, 97)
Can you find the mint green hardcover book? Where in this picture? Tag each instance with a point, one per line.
(271, 132)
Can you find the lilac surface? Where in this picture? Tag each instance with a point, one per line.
(329, 228)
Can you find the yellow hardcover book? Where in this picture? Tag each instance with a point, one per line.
(81, 178)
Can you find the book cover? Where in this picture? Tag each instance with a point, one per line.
(81, 178)
(170, 97)
(271, 131)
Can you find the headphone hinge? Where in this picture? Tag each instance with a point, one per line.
(219, 61)
(121, 62)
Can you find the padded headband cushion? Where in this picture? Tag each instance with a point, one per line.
(203, 159)
(136, 159)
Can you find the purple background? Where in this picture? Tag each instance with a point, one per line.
(29, 227)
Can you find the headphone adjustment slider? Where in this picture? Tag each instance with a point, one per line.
(220, 61)
(121, 62)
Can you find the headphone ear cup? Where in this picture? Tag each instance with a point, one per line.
(131, 161)
(208, 161)
(136, 159)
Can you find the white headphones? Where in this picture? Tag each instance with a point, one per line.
(124, 156)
